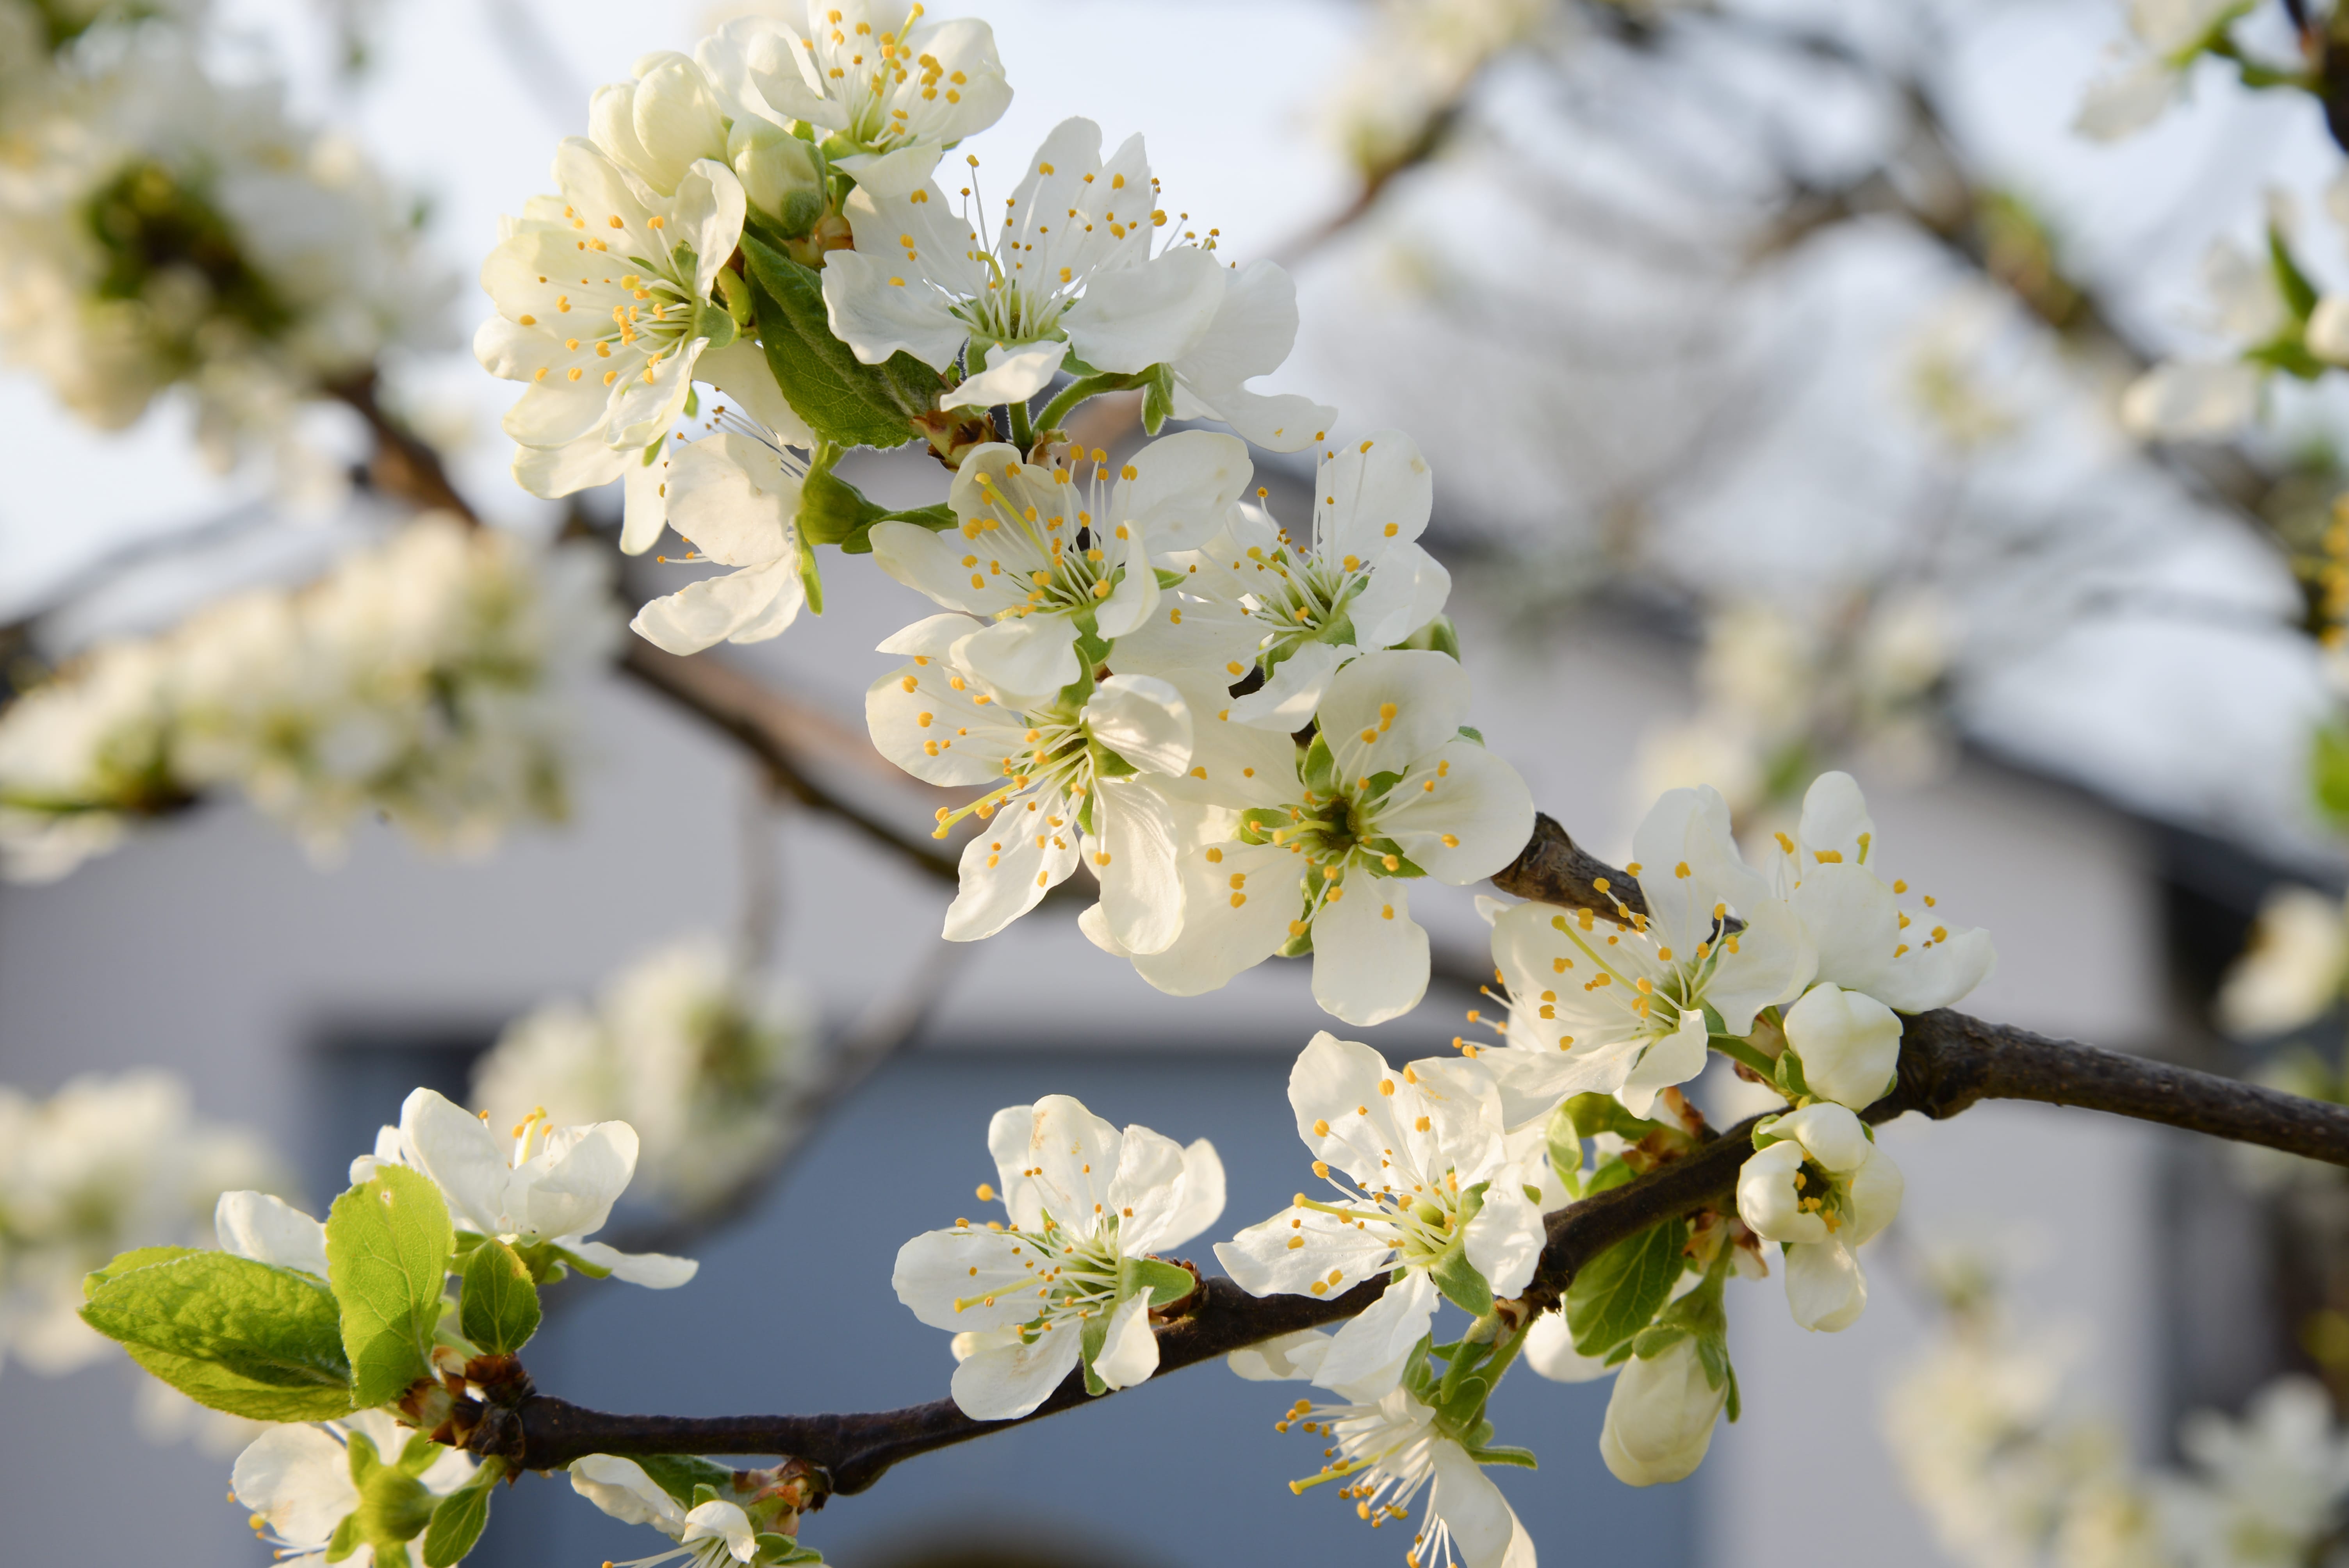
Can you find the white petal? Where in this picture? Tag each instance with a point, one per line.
(900, 171)
(934, 1272)
(999, 1384)
(568, 1188)
(1474, 823)
(1503, 1241)
(1674, 1060)
(1032, 657)
(1472, 1507)
(462, 1157)
(1370, 957)
(622, 1489)
(271, 1231)
(1134, 859)
(299, 1480)
(878, 311)
(744, 606)
(1143, 719)
(552, 471)
(1134, 317)
(1848, 1045)
(1228, 926)
(1009, 864)
(1183, 489)
(1281, 1358)
(1012, 375)
(720, 1521)
(1825, 1288)
(1128, 1355)
(731, 497)
(1428, 693)
(1549, 1351)
(739, 371)
(653, 1271)
(1689, 864)
(1381, 1334)
(1202, 1201)
(2192, 401)
(1286, 701)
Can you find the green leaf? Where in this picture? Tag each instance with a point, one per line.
(500, 1309)
(1617, 1294)
(2297, 293)
(215, 1388)
(779, 1551)
(1166, 1282)
(1089, 1345)
(230, 1333)
(1596, 1113)
(679, 1474)
(2329, 772)
(388, 1245)
(136, 1258)
(842, 398)
(457, 1518)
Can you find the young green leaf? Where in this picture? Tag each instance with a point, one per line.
(388, 1245)
(1166, 1282)
(500, 1309)
(457, 1519)
(1618, 1293)
(679, 1474)
(136, 1258)
(1462, 1286)
(230, 1333)
(842, 398)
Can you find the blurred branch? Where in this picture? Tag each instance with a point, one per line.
(1949, 1062)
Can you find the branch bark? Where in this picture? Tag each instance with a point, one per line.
(1949, 1062)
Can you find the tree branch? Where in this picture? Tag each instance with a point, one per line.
(1949, 1062)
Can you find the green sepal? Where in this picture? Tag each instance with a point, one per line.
(346, 1539)
(463, 1247)
(1465, 1404)
(780, 1550)
(459, 1518)
(1596, 1113)
(1169, 579)
(1503, 1455)
(1655, 1339)
(1564, 1141)
(1617, 1294)
(1462, 1286)
(1736, 1406)
(842, 398)
(833, 511)
(1157, 397)
(716, 322)
(681, 1475)
(2299, 293)
(1787, 1073)
(1438, 636)
(1166, 1282)
(233, 1334)
(1470, 732)
(1319, 768)
(707, 1492)
(557, 1260)
(500, 1310)
(387, 1246)
(1088, 1347)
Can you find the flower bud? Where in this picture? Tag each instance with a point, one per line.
(777, 171)
(1848, 1043)
(1659, 1419)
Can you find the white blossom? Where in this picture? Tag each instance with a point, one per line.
(547, 1186)
(160, 227)
(1072, 779)
(1661, 1416)
(1302, 608)
(710, 1072)
(1050, 561)
(104, 1164)
(1618, 1006)
(2169, 36)
(304, 1483)
(1827, 871)
(1282, 847)
(1387, 1451)
(1060, 1285)
(886, 90)
(604, 295)
(2292, 970)
(709, 1535)
(736, 495)
(1848, 1043)
(1425, 1183)
(1819, 1184)
(2267, 1491)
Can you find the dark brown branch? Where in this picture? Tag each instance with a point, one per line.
(1948, 1062)
(404, 464)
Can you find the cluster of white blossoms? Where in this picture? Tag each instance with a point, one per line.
(2011, 1477)
(104, 1164)
(2165, 40)
(2269, 317)
(1777, 690)
(161, 228)
(426, 680)
(708, 1069)
(1414, 69)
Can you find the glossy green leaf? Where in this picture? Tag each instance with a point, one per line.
(388, 1253)
(500, 1310)
(842, 398)
(1619, 1293)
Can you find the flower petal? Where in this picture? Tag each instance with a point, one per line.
(1129, 1354)
(271, 1231)
(1370, 957)
(1131, 319)
(1028, 847)
(1003, 1382)
(1380, 1335)
(1825, 1288)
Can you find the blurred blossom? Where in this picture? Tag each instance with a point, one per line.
(106, 1164)
(1949, 376)
(159, 228)
(426, 680)
(709, 1070)
(2167, 37)
(1415, 67)
(2290, 972)
(2269, 1488)
(1779, 695)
